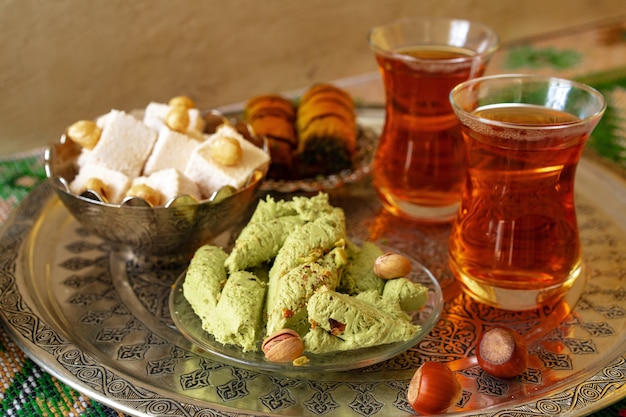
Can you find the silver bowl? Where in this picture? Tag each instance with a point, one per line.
(175, 230)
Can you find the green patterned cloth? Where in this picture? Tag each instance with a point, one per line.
(596, 56)
(27, 390)
(609, 137)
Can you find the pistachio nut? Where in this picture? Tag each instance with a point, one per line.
(285, 345)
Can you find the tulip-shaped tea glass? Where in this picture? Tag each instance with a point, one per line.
(515, 242)
(418, 168)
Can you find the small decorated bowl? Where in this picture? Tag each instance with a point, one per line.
(174, 229)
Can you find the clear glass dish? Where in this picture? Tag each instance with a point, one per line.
(191, 327)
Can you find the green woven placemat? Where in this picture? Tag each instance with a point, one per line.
(26, 390)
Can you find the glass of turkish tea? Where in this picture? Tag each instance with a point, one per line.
(515, 243)
(418, 168)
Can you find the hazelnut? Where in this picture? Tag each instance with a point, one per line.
(182, 101)
(502, 352)
(96, 185)
(392, 265)
(177, 119)
(433, 389)
(85, 133)
(284, 345)
(146, 192)
(226, 151)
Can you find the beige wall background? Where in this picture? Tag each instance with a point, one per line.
(65, 60)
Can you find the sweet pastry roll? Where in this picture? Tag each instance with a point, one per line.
(316, 137)
(325, 147)
(327, 130)
(322, 108)
(328, 96)
(269, 104)
(321, 89)
(275, 127)
(273, 117)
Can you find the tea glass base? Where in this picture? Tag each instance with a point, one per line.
(520, 299)
(420, 213)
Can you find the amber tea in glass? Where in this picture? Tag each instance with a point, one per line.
(515, 242)
(419, 167)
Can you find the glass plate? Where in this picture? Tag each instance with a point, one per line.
(191, 327)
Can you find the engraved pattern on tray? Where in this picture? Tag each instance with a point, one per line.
(100, 322)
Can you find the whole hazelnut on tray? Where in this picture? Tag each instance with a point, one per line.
(502, 352)
(285, 345)
(433, 389)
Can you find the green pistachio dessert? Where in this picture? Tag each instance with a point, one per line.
(270, 225)
(205, 279)
(293, 267)
(354, 321)
(359, 275)
(292, 291)
(238, 316)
